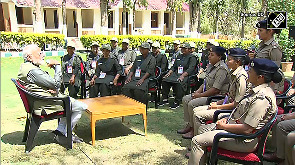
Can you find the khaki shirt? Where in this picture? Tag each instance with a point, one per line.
(217, 76)
(270, 50)
(238, 84)
(128, 56)
(114, 52)
(257, 109)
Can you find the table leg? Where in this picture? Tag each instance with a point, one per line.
(93, 130)
(144, 122)
(122, 119)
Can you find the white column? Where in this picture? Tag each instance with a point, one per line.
(161, 21)
(96, 21)
(117, 20)
(59, 15)
(146, 25)
(79, 21)
(186, 22)
(12, 16)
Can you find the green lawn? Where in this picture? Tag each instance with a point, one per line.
(116, 142)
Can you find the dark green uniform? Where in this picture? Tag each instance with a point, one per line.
(106, 70)
(146, 65)
(114, 52)
(204, 58)
(161, 61)
(71, 65)
(91, 63)
(188, 62)
(126, 58)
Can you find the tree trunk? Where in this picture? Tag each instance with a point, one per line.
(173, 23)
(124, 18)
(38, 27)
(193, 17)
(263, 9)
(243, 28)
(64, 18)
(199, 17)
(133, 28)
(216, 24)
(104, 16)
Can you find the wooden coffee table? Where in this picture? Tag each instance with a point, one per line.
(111, 107)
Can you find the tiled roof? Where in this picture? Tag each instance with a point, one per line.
(93, 4)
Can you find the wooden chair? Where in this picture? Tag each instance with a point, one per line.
(34, 121)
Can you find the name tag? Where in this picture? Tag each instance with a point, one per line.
(173, 60)
(137, 72)
(180, 70)
(102, 75)
(93, 64)
(70, 69)
(122, 61)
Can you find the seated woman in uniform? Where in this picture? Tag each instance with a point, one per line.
(136, 84)
(216, 82)
(236, 59)
(177, 77)
(252, 113)
(107, 72)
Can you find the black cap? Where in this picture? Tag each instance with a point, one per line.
(264, 65)
(236, 52)
(218, 49)
(262, 24)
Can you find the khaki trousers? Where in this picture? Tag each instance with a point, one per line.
(189, 104)
(290, 149)
(200, 142)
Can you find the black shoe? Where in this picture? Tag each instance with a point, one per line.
(76, 139)
(163, 102)
(57, 132)
(174, 106)
(61, 139)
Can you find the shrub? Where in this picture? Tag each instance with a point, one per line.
(287, 45)
(22, 39)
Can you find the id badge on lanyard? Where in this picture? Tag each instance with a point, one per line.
(102, 75)
(93, 64)
(122, 61)
(180, 69)
(70, 69)
(225, 100)
(137, 72)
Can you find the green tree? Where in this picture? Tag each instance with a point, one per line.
(174, 6)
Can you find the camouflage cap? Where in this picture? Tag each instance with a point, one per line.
(94, 44)
(176, 42)
(185, 45)
(126, 40)
(114, 39)
(192, 44)
(106, 46)
(156, 44)
(149, 41)
(145, 45)
(71, 44)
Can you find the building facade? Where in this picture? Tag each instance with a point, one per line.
(83, 17)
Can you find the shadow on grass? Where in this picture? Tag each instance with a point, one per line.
(42, 137)
(104, 129)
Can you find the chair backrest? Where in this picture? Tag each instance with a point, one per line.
(158, 72)
(262, 135)
(21, 91)
(287, 87)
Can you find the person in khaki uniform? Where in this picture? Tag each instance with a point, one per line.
(216, 82)
(161, 59)
(184, 65)
(126, 57)
(71, 72)
(107, 73)
(269, 49)
(143, 68)
(236, 59)
(250, 114)
(283, 140)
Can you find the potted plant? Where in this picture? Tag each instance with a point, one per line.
(288, 48)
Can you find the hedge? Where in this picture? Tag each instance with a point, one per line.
(136, 41)
(22, 39)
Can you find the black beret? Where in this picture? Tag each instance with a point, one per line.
(218, 49)
(236, 52)
(264, 65)
(262, 24)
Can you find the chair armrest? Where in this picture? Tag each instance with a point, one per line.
(288, 107)
(284, 96)
(217, 112)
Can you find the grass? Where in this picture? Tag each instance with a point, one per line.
(116, 142)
